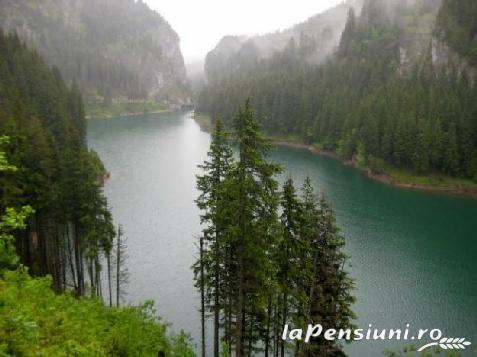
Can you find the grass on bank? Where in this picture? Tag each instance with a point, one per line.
(204, 121)
(100, 110)
(404, 177)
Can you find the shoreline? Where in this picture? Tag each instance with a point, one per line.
(127, 114)
(384, 178)
(204, 123)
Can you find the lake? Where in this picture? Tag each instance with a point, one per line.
(413, 254)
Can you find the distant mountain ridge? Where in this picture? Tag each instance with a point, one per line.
(320, 34)
(114, 49)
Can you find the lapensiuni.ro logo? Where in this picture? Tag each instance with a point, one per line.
(428, 337)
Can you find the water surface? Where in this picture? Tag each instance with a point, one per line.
(413, 254)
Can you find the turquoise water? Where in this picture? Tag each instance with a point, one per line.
(413, 254)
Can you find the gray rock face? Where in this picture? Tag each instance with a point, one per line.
(119, 49)
(444, 58)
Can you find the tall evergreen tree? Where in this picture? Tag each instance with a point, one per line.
(255, 204)
(330, 297)
(291, 257)
(211, 202)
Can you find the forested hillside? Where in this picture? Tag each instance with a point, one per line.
(398, 91)
(56, 174)
(119, 49)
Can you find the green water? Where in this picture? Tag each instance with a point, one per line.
(413, 254)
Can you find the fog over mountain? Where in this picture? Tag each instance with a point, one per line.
(319, 36)
(115, 49)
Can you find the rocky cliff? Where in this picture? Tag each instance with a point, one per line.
(117, 50)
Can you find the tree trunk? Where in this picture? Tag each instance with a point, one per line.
(78, 263)
(108, 262)
(276, 324)
(118, 267)
(202, 296)
(284, 321)
(216, 302)
(250, 339)
(71, 259)
(240, 312)
(267, 331)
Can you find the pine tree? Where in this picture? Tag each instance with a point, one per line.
(201, 285)
(450, 155)
(330, 297)
(257, 272)
(76, 108)
(290, 257)
(72, 226)
(255, 204)
(212, 204)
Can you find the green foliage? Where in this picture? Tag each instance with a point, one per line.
(376, 165)
(34, 321)
(361, 157)
(4, 166)
(11, 221)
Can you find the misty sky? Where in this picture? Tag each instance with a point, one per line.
(202, 23)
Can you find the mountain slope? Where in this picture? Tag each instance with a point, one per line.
(396, 93)
(114, 49)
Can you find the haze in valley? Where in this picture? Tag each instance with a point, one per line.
(201, 24)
